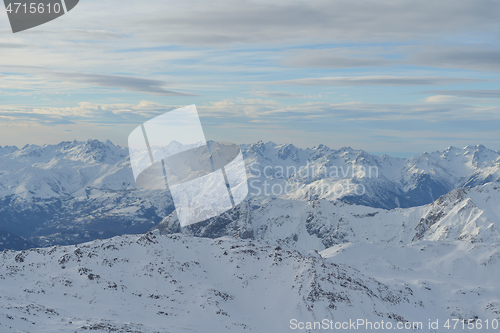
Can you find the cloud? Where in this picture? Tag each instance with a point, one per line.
(476, 93)
(40, 79)
(248, 120)
(435, 110)
(279, 94)
(226, 22)
(321, 59)
(4, 45)
(451, 99)
(129, 83)
(84, 112)
(478, 57)
(443, 99)
(375, 81)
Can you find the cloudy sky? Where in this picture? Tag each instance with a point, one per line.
(396, 77)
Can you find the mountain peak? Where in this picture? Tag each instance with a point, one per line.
(479, 147)
(346, 149)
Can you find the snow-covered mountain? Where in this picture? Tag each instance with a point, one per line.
(365, 179)
(155, 283)
(73, 192)
(273, 262)
(177, 283)
(79, 191)
(470, 214)
(460, 277)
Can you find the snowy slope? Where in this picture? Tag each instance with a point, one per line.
(175, 283)
(459, 276)
(469, 214)
(362, 178)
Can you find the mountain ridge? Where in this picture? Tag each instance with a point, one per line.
(77, 191)
(464, 214)
(256, 268)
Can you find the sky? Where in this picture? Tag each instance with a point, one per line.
(390, 77)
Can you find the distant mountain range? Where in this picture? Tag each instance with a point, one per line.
(361, 178)
(79, 191)
(73, 192)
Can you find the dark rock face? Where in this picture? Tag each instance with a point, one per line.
(65, 221)
(13, 242)
(234, 223)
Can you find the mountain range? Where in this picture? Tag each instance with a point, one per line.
(74, 191)
(361, 178)
(419, 244)
(470, 214)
